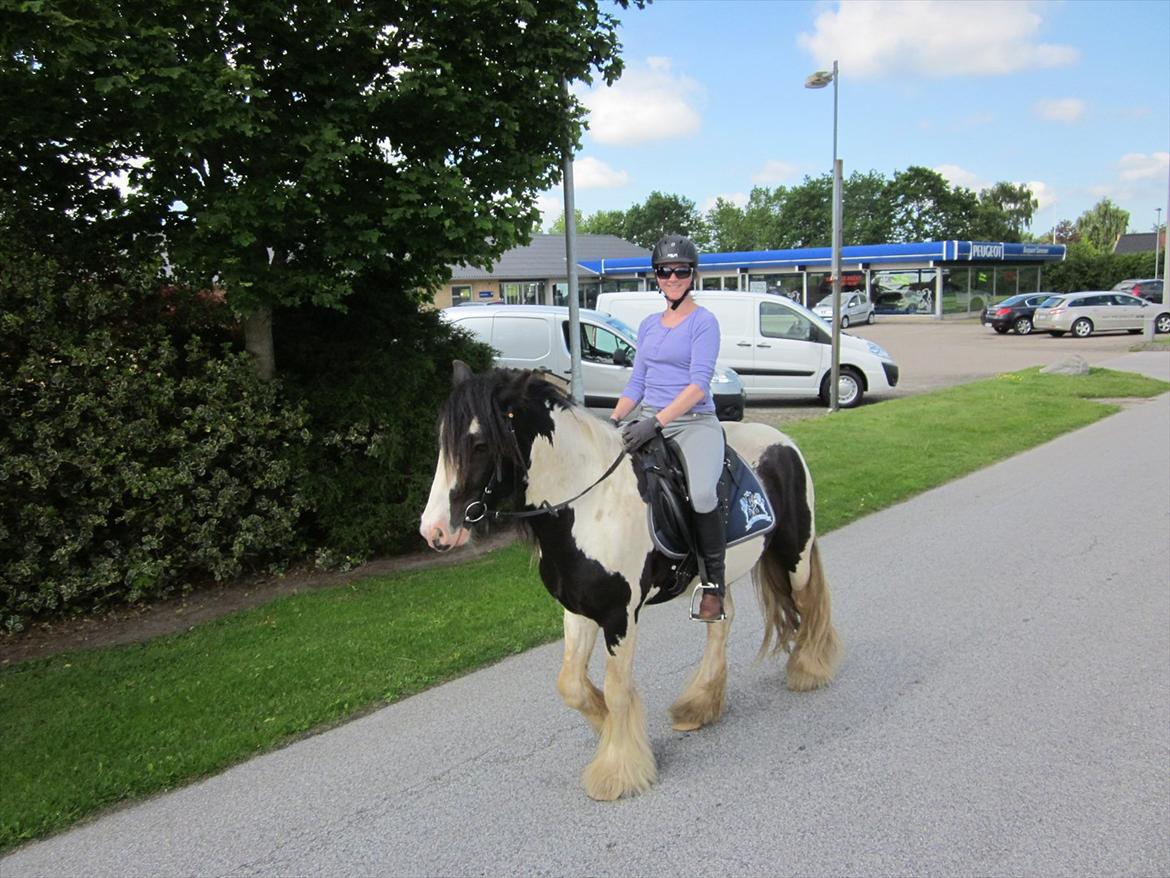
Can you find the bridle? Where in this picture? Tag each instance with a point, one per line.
(544, 508)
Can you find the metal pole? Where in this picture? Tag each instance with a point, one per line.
(576, 386)
(835, 373)
(1157, 236)
(1166, 254)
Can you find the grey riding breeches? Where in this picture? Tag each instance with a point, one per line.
(700, 438)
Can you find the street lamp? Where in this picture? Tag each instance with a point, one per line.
(819, 80)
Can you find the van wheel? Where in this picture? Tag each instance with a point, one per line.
(850, 388)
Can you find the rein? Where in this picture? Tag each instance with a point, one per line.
(543, 509)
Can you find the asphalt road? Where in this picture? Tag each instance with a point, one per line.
(1003, 708)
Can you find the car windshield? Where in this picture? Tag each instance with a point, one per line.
(620, 328)
(1052, 302)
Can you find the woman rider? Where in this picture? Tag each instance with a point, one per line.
(672, 379)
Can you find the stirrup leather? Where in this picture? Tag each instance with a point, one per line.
(697, 598)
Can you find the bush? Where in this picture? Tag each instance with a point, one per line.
(1087, 269)
(372, 378)
(138, 451)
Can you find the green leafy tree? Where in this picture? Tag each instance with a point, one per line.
(604, 222)
(806, 217)
(926, 208)
(1005, 212)
(867, 215)
(280, 150)
(1102, 224)
(662, 215)
(728, 227)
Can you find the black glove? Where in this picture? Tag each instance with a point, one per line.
(638, 433)
(615, 423)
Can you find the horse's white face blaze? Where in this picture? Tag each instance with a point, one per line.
(437, 525)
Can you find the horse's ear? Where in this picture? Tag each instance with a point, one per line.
(461, 373)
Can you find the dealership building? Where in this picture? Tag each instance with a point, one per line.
(930, 279)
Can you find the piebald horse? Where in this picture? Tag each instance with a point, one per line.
(511, 440)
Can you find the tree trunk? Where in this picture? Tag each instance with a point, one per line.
(258, 341)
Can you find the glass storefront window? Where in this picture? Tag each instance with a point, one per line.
(902, 292)
(783, 283)
(531, 293)
(460, 294)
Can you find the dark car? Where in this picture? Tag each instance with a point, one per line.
(1013, 313)
(1148, 288)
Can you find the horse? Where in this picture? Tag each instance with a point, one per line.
(511, 439)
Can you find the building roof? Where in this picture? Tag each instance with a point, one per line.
(545, 258)
(866, 255)
(1140, 242)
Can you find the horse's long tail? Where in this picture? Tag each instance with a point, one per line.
(793, 591)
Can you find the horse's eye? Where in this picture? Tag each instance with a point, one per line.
(479, 448)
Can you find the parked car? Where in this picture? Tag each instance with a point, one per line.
(537, 337)
(1082, 314)
(1014, 313)
(779, 348)
(855, 308)
(1148, 288)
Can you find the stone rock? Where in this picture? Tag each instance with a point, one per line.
(1073, 364)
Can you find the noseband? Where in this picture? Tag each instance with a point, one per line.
(481, 505)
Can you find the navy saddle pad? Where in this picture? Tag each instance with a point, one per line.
(746, 509)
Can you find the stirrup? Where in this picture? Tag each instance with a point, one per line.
(697, 599)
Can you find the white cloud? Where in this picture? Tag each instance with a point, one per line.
(739, 199)
(1044, 195)
(650, 102)
(934, 38)
(1066, 110)
(957, 176)
(1139, 166)
(591, 173)
(551, 205)
(774, 172)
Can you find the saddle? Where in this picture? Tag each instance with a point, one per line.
(743, 504)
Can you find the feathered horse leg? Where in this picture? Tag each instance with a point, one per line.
(573, 682)
(624, 763)
(702, 702)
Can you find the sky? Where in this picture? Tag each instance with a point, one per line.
(1071, 97)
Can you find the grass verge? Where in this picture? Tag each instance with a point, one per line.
(82, 731)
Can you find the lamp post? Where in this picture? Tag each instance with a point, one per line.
(819, 80)
(1157, 238)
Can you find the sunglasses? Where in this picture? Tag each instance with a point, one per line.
(664, 273)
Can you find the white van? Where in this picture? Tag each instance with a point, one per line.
(777, 347)
(537, 337)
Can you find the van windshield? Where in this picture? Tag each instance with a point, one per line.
(620, 327)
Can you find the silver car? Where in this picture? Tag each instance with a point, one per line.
(1082, 314)
(855, 308)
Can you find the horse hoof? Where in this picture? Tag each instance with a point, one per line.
(606, 786)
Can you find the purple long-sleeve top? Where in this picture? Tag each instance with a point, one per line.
(670, 358)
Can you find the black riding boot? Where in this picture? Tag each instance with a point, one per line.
(711, 542)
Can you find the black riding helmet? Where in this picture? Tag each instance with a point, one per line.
(674, 249)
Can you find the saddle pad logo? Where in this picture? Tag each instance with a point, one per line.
(754, 509)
